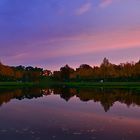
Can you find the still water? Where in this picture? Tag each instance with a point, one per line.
(69, 114)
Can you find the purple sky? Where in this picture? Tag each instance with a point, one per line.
(52, 33)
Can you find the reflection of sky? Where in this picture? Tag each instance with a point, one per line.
(54, 116)
(53, 32)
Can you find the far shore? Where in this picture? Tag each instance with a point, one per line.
(126, 85)
(16, 84)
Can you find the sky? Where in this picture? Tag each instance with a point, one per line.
(52, 33)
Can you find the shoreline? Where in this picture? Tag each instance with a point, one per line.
(128, 85)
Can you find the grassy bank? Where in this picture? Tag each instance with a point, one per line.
(16, 84)
(128, 85)
(104, 85)
(91, 84)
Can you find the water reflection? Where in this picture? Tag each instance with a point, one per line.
(106, 97)
(68, 113)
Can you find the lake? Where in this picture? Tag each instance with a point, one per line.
(69, 114)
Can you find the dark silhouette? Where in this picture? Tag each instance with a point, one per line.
(106, 97)
(20, 73)
(105, 72)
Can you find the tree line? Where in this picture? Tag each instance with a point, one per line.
(105, 72)
(20, 73)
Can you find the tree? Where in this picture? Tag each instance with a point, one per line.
(105, 68)
(65, 72)
(85, 66)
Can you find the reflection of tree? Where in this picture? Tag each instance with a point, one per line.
(64, 93)
(106, 97)
(7, 95)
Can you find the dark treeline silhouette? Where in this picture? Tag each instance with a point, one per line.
(106, 97)
(105, 72)
(20, 73)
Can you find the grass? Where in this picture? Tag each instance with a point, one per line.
(16, 84)
(127, 85)
(84, 84)
(104, 85)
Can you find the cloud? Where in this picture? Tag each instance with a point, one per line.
(105, 3)
(83, 9)
(59, 51)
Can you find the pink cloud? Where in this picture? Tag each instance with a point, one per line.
(83, 44)
(105, 3)
(83, 9)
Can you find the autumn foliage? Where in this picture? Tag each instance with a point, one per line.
(20, 73)
(105, 72)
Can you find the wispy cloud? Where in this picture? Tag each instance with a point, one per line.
(83, 9)
(105, 3)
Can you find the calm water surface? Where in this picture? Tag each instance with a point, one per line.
(69, 114)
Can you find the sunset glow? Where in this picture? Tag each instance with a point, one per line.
(53, 33)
